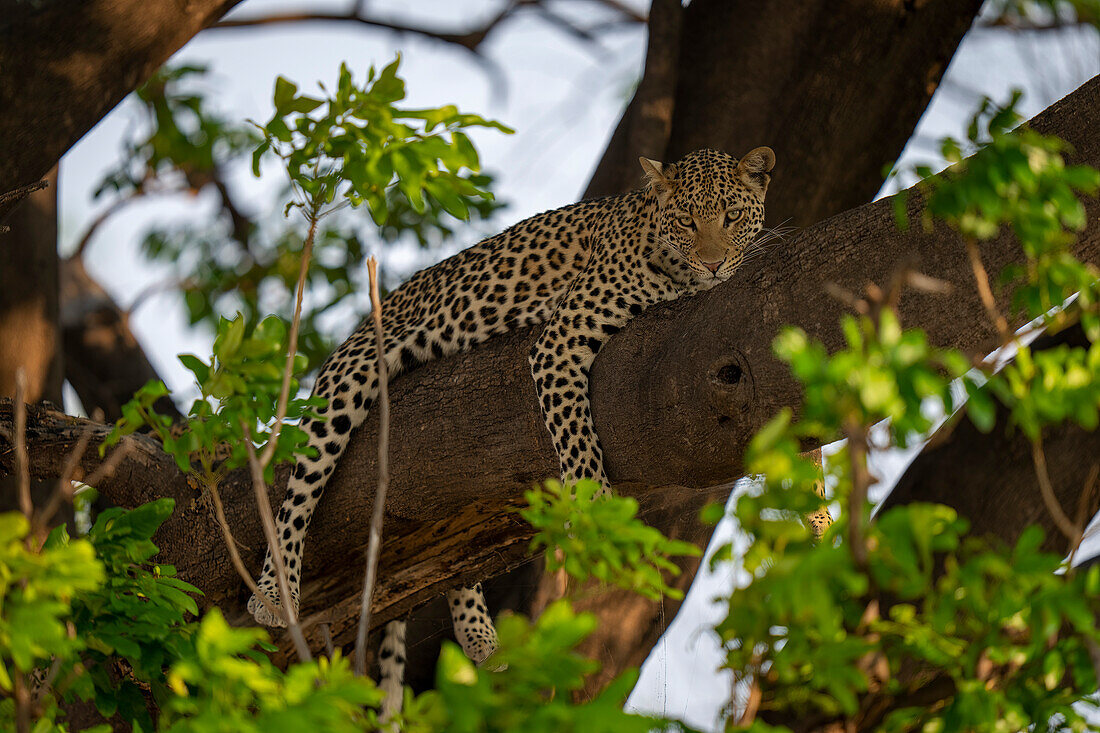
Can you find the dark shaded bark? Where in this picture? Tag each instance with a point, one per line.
(647, 120)
(66, 63)
(676, 396)
(29, 336)
(105, 364)
(835, 88)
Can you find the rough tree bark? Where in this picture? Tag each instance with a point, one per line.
(30, 339)
(29, 336)
(676, 396)
(65, 64)
(836, 89)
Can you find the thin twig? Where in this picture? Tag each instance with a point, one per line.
(374, 543)
(23, 702)
(235, 555)
(156, 288)
(986, 293)
(108, 467)
(267, 519)
(22, 466)
(1072, 533)
(470, 39)
(85, 240)
(752, 704)
(18, 194)
(292, 347)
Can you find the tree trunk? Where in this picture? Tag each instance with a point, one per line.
(29, 335)
(67, 63)
(835, 88)
(30, 339)
(676, 396)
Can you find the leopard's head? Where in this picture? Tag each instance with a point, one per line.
(710, 207)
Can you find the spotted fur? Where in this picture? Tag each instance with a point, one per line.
(584, 270)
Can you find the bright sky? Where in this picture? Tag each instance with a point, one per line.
(563, 99)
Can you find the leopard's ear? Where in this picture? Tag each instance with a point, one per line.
(754, 167)
(658, 181)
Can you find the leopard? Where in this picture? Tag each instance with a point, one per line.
(581, 271)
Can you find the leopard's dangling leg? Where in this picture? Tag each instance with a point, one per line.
(590, 313)
(473, 627)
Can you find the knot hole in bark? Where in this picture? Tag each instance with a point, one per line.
(731, 386)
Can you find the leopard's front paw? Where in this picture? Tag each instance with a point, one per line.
(260, 612)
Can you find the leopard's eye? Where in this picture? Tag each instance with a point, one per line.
(733, 216)
(685, 221)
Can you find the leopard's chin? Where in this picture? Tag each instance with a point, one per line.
(706, 283)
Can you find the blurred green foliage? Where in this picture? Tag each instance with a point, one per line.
(1041, 13)
(247, 261)
(601, 537)
(115, 629)
(239, 388)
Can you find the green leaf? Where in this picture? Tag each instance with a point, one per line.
(284, 94)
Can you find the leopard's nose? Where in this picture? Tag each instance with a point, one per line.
(713, 266)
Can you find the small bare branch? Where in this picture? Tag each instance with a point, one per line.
(1072, 532)
(22, 192)
(326, 635)
(846, 297)
(64, 490)
(292, 345)
(267, 519)
(857, 498)
(19, 425)
(108, 467)
(1082, 518)
(106, 214)
(235, 555)
(986, 293)
(752, 704)
(470, 39)
(927, 283)
(374, 542)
